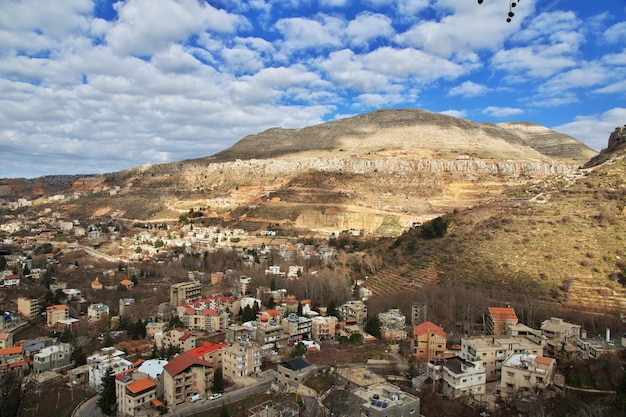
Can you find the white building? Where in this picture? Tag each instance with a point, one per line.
(101, 361)
(457, 377)
(96, 311)
(523, 373)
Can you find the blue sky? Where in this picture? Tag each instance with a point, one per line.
(94, 86)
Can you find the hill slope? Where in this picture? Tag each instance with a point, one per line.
(559, 239)
(377, 172)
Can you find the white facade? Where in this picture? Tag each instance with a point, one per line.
(457, 377)
(96, 311)
(101, 361)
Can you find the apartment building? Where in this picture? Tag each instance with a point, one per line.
(136, 395)
(456, 377)
(385, 399)
(323, 328)
(210, 352)
(429, 341)
(97, 311)
(185, 376)
(184, 292)
(494, 350)
(526, 373)
(240, 360)
(561, 338)
(179, 338)
(297, 328)
(498, 320)
(353, 311)
(29, 307)
(101, 361)
(52, 357)
(56, 313)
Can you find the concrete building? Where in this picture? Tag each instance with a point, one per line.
(323, 328)
(270, 332)
(294, 372)
(494, 350)
(210, 352)
(236, 333)
(185, 376)
(56, 313)
(353, 311)
(357, 377)
(6, 340)
(185, 292)
(136, 395)
(52, 357)
(179, 338)
(561, 338)
(456, 377)
(498, 320)
(387, 400)
(101, 361)
(240, 360)
(523, 373)
(29, 307)
(429, 341)
(126, 307)
(97, 311)
(297, 328)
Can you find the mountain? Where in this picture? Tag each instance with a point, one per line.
(378, 173)
(559, 239)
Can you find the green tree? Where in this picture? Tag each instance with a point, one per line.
(435, 228)
(3, 262)
(331, 310)
(271, 303)
(66, 335)
(356, 338)
(218, 381)
(372, 326)
(298, 350)
(412, 370)
(107, 400)
(247, 314)
(78, 357)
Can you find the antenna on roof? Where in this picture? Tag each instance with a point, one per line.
(512, 5)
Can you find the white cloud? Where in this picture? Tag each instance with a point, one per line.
(594, 129)
(468, 89)
(502, 111)
(616, 33)
(300, 33)
(455, 113)
(146, 26)
(368, 26)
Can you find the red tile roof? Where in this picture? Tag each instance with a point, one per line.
(141, 385)
(11, 350)
(183, 362)
(428, 327)
(543, 360)
(206, 348)
(502, 313)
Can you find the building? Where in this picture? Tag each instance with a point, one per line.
(56, 313)
(357, 377)
(29, 307)
(456, 377)
(6, 340)
(52, 357)
(523, 373)
(186, 376)
(498, 320)
(96, 284)
(210, 352)
(136, 395)
(323, 328)
(392, 319)
(199, 315)
(494, 350)
(12, 358)
(429, 341)
(237, 333)
(353, 311)
(240, 360)
(185, 292)
(269, 331)
(385, 400)
(297, 328)
(101, 361)
(561, 338)
(294, 372)
(126, 306)
(179, 338)
(97, 311)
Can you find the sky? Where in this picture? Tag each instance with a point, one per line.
(98, 86)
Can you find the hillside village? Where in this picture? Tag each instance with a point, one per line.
(80, 311)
